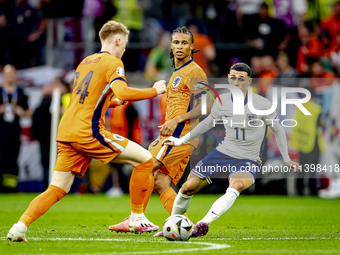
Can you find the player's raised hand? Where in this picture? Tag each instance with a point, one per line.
(160, 86)
(168, 127)
(294, 165)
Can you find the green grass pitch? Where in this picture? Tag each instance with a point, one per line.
(254, 225)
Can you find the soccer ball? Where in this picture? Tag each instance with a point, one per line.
(177, 228)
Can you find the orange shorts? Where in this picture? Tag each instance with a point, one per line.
(174, 158)
(77, 156)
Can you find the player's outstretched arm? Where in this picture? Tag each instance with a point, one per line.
(169, 127)
(125, 93)
(281, 140)
(200, 129)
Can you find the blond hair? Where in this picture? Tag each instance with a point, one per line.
(111, 28)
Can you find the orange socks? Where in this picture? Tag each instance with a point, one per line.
(149, 192)
(139, 183)
(168, 198)
(42, 203)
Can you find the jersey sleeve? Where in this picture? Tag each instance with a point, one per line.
(116, 78)
(216, 111)
(268, 119)
(116, 71)
(197, 82)
(125, 93)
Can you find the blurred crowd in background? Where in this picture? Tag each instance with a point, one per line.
(286, 43)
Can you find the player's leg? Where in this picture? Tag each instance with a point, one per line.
(175, 161)
(59, 187)
(197, 180)
(164, 191)
(142, 161)
(156, 165)
(189, 188)
(68, 159)
(193, 185)
(162, 182)
(124, 225)
(239, 180)
(237, 184)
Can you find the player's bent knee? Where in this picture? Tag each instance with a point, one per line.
(241, 184)
(133, 154)
(188, 189)
(146, 155)
(238, 185)
(193, 185)
(63, 180)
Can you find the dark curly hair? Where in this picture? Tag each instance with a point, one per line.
(182, 30)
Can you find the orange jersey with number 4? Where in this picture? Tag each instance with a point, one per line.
(91, 96)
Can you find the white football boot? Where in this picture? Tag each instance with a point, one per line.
(141, 224)
(15, 235)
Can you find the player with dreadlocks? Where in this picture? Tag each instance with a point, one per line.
(182, 113)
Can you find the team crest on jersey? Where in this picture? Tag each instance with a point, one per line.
(118, 137)
(120, 71)
(251, 119)
(176, 81)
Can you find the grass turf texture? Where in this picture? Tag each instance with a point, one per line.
(254, 225)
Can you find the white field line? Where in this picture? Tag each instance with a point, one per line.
(209, 246)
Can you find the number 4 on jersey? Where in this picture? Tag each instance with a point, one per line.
(85, 82)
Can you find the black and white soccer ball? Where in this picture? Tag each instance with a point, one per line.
(177, 228)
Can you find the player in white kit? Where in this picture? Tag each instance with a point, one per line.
(239, 154)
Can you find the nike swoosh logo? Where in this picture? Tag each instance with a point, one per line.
(214, 213)
(227, 116)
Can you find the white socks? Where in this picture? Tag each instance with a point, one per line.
(181, 203)
(21, 227)
(134, 216)
(220, 206)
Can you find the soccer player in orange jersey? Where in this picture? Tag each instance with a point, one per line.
(99, 81)
(181, 115)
